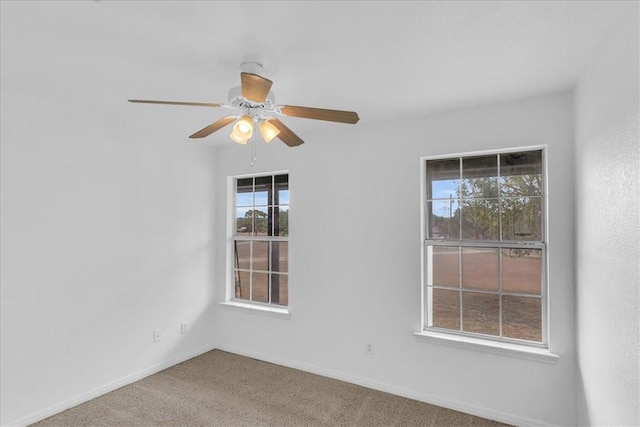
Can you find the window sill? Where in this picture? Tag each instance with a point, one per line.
(493, 347)
(282, 313)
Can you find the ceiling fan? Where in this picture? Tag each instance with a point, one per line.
(253, 105)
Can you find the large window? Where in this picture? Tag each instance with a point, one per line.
(485, 248)
(261, 239)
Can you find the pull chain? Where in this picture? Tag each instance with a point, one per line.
(254, 156)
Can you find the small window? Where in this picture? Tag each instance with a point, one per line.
(260, 242)
(484, 246)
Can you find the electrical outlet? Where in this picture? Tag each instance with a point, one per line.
(156, 335)
(183, 327)
(369, 348)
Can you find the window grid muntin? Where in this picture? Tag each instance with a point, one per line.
(500, 197)
(270, 271)
(500, 244)
(500, 293)
(252, 237)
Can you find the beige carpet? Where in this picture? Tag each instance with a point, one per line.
(224, 389)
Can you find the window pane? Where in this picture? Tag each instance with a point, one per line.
(446, 266)
(521, 174)
(244, 199)
(521, 271)
(242, 285)
(522, 219)
(260, 287)
(244, 192)
(282, 190)
(280, 256)
(522, 317)
(480, 219)
(281, 222)
(444, 219)
(480, 177)
(263, 191)
(260, 256)
(480, 313)
(244, 222)
(480, 269)
(260, 221)
(446, 309)
(443, 179)
(280, 289)
(242, 255)
(283, 197)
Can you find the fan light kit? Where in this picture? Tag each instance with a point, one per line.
(253, 105)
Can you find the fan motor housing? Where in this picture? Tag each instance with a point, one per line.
(249, 107)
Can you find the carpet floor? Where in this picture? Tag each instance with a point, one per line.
(224, 389)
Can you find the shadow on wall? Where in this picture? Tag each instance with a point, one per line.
(582, 409)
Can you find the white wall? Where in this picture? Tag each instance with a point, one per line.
(106, 226)
(608, 228)
(355, 261)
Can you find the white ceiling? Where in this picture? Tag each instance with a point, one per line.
(382, 59)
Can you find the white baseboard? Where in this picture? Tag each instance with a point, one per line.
(388, 388)
(99, 391)
(375, 385)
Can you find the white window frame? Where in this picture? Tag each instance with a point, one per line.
(494, 344)
(277, 310)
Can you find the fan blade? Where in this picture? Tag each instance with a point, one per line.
(320, 114)
(286, 135)
(213, 127)
(195, 104)
(254, 87)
